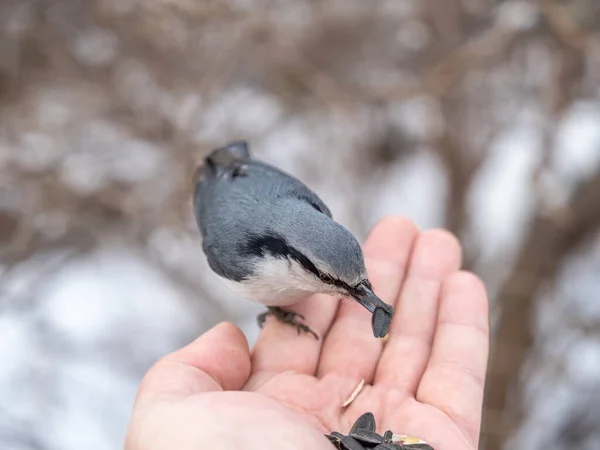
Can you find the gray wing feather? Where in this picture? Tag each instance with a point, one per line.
(227, 206)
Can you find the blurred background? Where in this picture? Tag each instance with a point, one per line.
(482, 116)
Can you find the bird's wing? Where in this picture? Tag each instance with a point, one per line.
(312, 198)
(290, 185)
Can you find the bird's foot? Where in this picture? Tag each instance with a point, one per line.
(287, 317)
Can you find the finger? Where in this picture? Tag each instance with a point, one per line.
(436, 254)
(454, 379)
(350, 349)
(217, 360)
(280, 348)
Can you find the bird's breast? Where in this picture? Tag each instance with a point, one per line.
(276, 282)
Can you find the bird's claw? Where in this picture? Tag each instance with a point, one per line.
(301, 327)
(287, 317)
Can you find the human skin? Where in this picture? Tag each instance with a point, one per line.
(426, 380)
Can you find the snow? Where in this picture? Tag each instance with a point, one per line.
(419, 118)
(239, 112)
(92, 299)
(71, 365)
(95, 47)
(501, 200)
(413, 188)
(37, 152)
(517, 15)
(577, 153)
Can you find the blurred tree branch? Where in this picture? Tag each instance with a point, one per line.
(546, 246)
(552, 237)
(566, 29)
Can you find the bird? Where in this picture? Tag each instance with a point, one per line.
(272, 240)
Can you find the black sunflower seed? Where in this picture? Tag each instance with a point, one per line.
(349, 443)
(367, 436)
(421, 446)
(387, 436)
(335, 435)
(365, 422)
(380, 322)
(335, 438)
(389, 446)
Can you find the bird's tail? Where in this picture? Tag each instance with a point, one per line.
(221, 158)
(232, 152)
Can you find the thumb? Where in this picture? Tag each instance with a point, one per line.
(218, 360)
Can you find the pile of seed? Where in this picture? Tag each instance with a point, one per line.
(362, 436)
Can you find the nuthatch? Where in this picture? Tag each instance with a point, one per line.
(272, 240)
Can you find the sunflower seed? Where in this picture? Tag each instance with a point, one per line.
(335, 438)
(365, 422)
(380, 322)
(367, 436)
(354, 393)
(421, 446)
(389, 446)
(349, 443)
(335, 435)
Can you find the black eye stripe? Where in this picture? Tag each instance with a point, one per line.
(340, 283)
(278, 247)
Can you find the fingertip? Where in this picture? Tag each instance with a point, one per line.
(395, 222)
(217, 360)
(436, 250)
(229, 331)
(465, 281)
(442, 238)
(223, 352)
(391, 233)
(465, 300)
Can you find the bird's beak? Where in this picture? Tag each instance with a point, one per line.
(382, 312)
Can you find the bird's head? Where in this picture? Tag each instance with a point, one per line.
(310, 252)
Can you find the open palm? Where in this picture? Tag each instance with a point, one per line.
(426, 380)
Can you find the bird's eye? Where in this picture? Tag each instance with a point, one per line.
(326, 278)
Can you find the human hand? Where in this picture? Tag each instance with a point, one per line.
(426, 381)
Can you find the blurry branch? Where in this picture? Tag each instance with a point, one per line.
(84, 214)
(32, 243)
(583, 214)
(437, 81)
(566, 29)
(547, 244)
(571, 318)
(581, 429)
(446, 18)
(293, 64)
(461, 168)
(554, 234)
(461, 153)
(490, 45)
